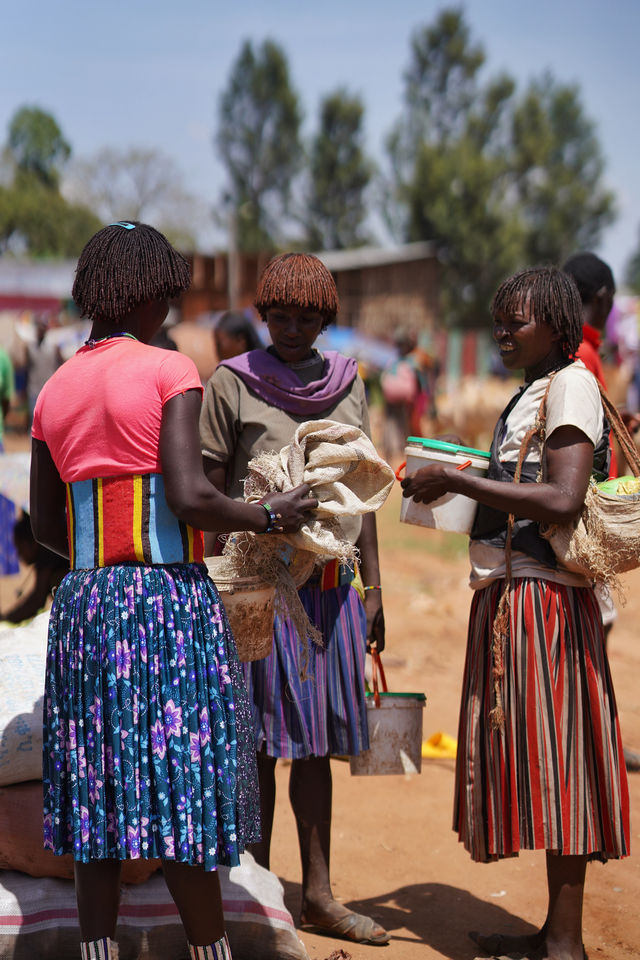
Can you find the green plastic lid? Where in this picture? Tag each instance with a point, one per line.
(446, 447)
(388, 693)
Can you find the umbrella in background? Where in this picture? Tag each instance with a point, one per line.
(373, 353)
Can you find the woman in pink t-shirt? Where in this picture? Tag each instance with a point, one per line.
(148, 750)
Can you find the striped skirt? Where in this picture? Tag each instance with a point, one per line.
(554, 777)
(325, 713)
(148, 749)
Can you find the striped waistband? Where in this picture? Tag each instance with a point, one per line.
(336, 574)
(126, 519)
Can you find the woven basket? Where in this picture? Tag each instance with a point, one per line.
(604, 540)
(249, 603)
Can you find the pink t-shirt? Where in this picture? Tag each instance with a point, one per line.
(101, 411)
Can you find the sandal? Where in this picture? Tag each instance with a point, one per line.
(355, 927)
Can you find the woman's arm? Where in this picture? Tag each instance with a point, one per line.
(569, 459)
(194, 499)
(370, 572)
(216, 473)
(47, 500)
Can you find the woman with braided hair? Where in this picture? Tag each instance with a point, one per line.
(253, 404)
(539, 762)
(148, 749)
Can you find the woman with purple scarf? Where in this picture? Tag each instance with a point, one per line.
(253, 404)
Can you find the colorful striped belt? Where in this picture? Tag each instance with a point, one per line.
(126, 520)
(336, 574)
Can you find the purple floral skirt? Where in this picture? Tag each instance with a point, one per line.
(148, 749)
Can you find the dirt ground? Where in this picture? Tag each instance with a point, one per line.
(394, 853)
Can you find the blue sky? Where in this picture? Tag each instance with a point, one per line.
(150, 72)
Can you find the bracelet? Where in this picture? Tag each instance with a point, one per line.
(374, 586)
(273, 517)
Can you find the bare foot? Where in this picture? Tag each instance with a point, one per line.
(524, 947)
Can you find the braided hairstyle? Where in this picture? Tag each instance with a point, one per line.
(298, 280)
(590, 274)
(553, 297)
(123, 265)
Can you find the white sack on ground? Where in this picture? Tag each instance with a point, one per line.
(23, 652)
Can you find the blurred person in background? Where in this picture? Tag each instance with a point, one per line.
(9, 563)
(49, 569)
(234, 333)
(43, 359)
(400, 391)
(596, 286)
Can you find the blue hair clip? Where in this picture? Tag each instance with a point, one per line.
(122, 223)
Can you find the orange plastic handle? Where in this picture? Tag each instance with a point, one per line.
(400, 468)
(377, 668)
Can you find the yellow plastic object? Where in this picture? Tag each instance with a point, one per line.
(628, 486)
(621, 486)
(439, 745)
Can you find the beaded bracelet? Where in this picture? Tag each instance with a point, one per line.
(273, 517)
(374, 586)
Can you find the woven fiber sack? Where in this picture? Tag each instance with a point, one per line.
(604, 540)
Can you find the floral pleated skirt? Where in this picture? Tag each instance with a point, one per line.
(148, 749)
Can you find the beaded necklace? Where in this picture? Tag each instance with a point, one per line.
(112, 336)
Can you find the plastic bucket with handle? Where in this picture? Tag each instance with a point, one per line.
(452, 512)
(395, 731)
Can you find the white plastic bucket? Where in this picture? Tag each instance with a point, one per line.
(395, 736)
(452, 512)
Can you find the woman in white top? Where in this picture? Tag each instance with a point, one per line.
(539, 752)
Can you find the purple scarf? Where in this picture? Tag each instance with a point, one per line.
(278, 385)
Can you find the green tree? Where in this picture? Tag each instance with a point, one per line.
(449, 168)
(339, 173)
(557, 170)
(34, 216)
(258, 138)
(37, 146)
(40, 222)
(495, 181)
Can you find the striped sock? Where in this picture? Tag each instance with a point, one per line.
(97, 949)
(220, 950)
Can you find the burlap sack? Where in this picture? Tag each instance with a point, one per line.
(345, 473)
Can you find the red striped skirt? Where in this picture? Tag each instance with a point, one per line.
(553, 777)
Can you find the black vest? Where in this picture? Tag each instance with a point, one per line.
(490, 525)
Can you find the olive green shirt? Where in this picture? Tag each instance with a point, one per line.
(236, 425)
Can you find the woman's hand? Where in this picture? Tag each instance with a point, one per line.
(375, 620)
(428, 483)
(292, 508)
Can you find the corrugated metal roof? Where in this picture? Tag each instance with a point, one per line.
(43, 279)
(376, 256)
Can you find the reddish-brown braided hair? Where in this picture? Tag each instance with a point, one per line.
(297, 280)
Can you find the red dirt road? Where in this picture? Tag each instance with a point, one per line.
(394, 853)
